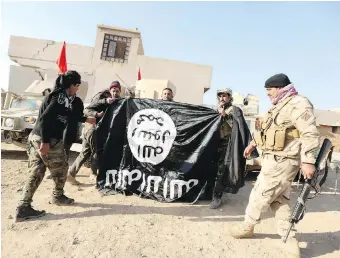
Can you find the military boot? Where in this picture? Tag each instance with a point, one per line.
(62, 200)
(72, 180)
(27, 212)
(217, 201)
(242, 230)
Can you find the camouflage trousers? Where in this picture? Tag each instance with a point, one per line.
(89, 147)
(55, 161)
(213, 185)
(272, 190)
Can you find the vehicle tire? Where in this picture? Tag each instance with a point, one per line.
(8, 137)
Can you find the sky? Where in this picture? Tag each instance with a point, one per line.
(244, 42)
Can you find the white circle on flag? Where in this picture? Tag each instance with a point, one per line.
(151, 134)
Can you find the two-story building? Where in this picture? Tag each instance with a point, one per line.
(117, 54)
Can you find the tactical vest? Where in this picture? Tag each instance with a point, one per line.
(272, 136)
(227, 123)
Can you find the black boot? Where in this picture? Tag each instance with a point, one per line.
(27, 212)
(62, 200)
(217, 201)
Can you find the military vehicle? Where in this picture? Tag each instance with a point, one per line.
(18, 117)
(19, 112)
(250, 107)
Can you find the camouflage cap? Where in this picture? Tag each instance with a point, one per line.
(225, 90)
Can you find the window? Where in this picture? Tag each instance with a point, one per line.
(334, 129)
(116, 48)
(112, 49)
(26, 104)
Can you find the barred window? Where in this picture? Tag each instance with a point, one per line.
(116, 48)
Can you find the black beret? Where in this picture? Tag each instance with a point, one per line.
(277, 81)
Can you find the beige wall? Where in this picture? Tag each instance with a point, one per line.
(20, 78)
(105, 72)
(152, 89)
(334, 137)
(43, 54)
(189, 80)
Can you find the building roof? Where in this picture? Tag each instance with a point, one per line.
(327, 117)
(102, 26)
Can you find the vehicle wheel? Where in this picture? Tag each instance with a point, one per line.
(8, 137)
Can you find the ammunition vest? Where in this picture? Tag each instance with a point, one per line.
(227, 123)
(272, 136)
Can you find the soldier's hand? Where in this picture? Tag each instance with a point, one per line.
(221, 111)
(250, 148)
(91, 120)
(100, 114)
(307, 170)
(109, 100)
(44, 148)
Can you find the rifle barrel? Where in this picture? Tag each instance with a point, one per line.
(288, 231)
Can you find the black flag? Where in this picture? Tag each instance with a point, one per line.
(159, 149)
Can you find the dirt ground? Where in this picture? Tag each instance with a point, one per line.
(119, 226)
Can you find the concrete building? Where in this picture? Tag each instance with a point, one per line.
(117, 54)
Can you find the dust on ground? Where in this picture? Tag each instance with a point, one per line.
(128, 226)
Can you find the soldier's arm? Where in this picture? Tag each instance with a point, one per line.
(96, 107)
(90, 112)
(80, 116)
(304, 120)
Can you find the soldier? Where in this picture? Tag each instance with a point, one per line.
(71, 130)
(288, 136)
(234, 137)
(96, 109)
(167, 94)
(45, 145)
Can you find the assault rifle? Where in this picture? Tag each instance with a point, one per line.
(321, 171)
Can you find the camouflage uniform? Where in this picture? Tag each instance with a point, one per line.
(88, 150)
(48, 130)
(287, 137)
(89, 146)
(55, 161)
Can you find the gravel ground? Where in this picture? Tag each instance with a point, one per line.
(120, 226)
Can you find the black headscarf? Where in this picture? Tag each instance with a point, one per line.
(65, 81)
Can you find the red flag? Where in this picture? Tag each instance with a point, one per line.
(139, 75)
(61, 62)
